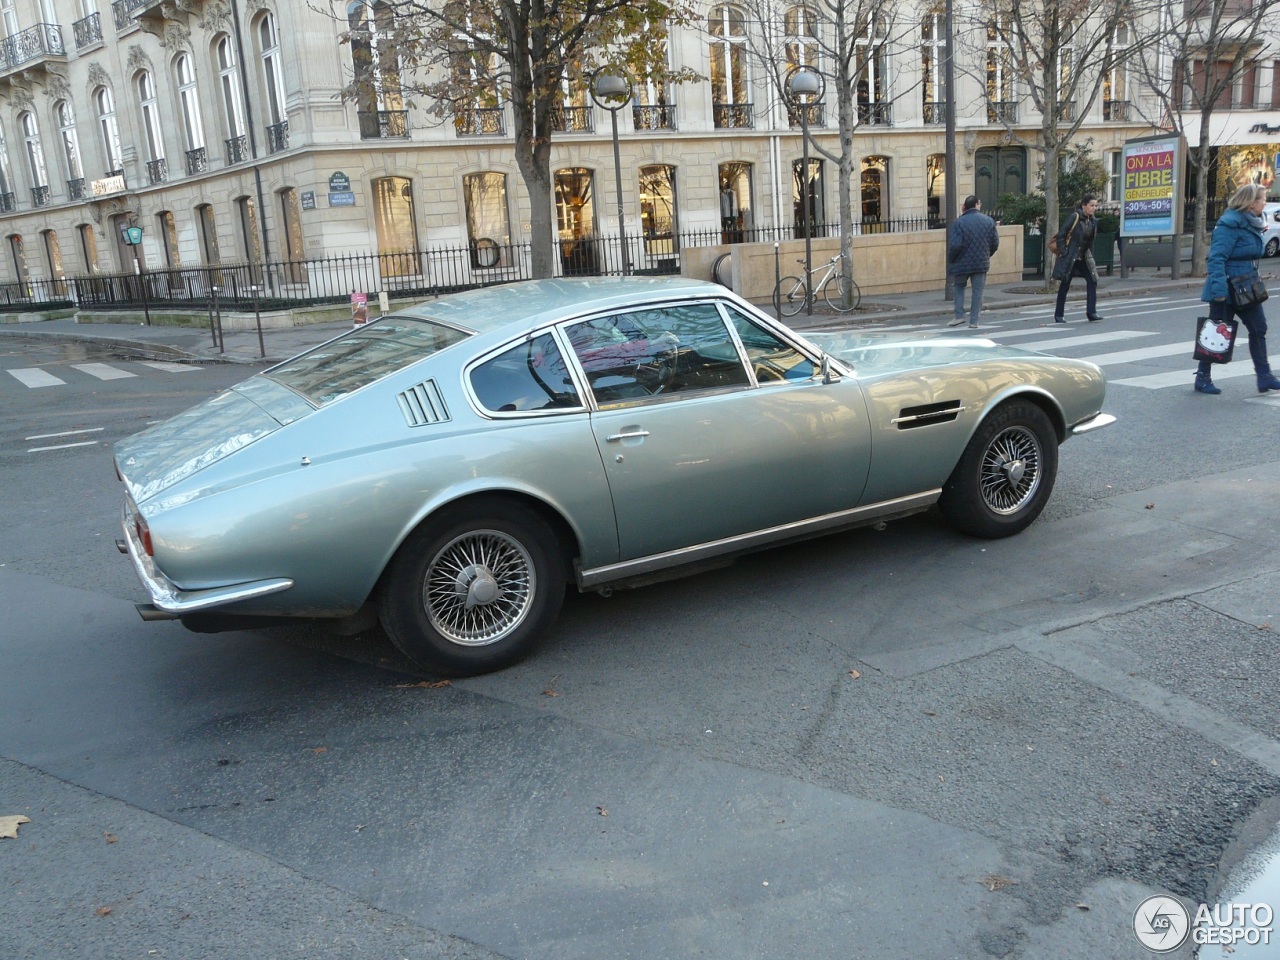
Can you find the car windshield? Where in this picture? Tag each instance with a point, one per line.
(363, 356)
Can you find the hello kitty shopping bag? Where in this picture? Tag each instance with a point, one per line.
(1215, 339)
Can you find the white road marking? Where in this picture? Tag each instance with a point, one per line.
(35, 377)
(167, 366)
(1087, 338)
(64, 446)
(1175, 378)
(64, 433)
(102, 371)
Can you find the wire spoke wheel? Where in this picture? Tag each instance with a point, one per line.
(479, 587)
(789, 296)
(1010, 470)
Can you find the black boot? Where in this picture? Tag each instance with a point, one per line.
(1205, 385)
(1267, 380)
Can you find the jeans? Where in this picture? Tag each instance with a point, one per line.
(1255, 321)
(979, 282)
(1091, 306)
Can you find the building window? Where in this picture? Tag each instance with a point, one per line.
(1001, 102)
(70, 142)
(208, 233)
(1115, 85)
(19, 258)
(936, 188)
(1115, 179)
(658, 210)
(800, 37)
(10, 16)
(374, 58)
(272, 79)
(35, 152)
(291, 217)
(396, 226)
(169, 239)
(652, 110)
(735, 201)
(6, 175)
(229, 88)
(875, 189)
(150, 116)
(871, 74)
(189, 100)
(812, 185)
(53, 257)
(488, 233)
(730, 89)
(576, 221)
(88, 247)
(933, 58)
(109, 130)
(250, 242)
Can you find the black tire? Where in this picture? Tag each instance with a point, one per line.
(789, 296)
(500, 559)
(833, 293)
(1006, 474)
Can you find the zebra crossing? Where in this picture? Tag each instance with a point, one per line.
(33, 378)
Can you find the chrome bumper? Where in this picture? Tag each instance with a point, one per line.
(166, 596)
(1093, 423)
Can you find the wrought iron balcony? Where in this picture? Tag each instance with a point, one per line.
(278, 136)
(34, 43)
(1002, 111)
(40, 195)
(477, 122)
(76, 189)
(157, 171)
(731, 115)
(1117, 110)
(88, 31)
(935, 111)
(383, 124)
(875, 114)
(7, 203)
(660, 116)
(1067, 111)
(237, 149)
(122, 11)
(197, 161)
(571, 119)
(117, 172)
(811, 113)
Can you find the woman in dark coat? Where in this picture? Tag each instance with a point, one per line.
(1075, 241)
(1233, 252)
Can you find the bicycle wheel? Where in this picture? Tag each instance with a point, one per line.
(833, 293)
(789, 296)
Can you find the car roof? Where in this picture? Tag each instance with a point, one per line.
(531, 302)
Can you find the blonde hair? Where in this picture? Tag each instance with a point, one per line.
(1247, 196)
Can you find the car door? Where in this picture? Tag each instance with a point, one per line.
(698, 445)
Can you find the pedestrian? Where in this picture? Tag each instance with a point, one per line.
(1075, 258)
(1234, 252)
(973, 240)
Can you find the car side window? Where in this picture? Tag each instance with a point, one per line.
(648, 353)
(530, 376)
(773, 359)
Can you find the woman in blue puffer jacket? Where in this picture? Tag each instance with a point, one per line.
(1234, 251)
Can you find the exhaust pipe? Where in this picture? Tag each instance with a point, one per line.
(122, 546)
(150, 612)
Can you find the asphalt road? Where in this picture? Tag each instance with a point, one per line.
(882, 744)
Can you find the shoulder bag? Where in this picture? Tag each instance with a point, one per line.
(1054, 247)
(1247, 290)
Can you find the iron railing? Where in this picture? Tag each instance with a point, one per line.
(42, 40)
(1067, 111)
(157, 171)
(40, 195)
(571, 119)
(8, 203)
(935, 111)
(810, 112)
(1117, 110)
(875, 114)
(661, 116)
(478, 122)
(729, 115)
(383, 124)
(122, 11)
(237, 149)
(76, 189)
(23, 295)
(197, 161)
(278, 136)
(87, 30)
(1002, 111)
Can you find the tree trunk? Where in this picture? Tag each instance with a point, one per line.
(1199, 223)
(1051, 204)
(846, 198)
(536, 170)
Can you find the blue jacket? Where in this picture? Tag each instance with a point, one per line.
(972, 242)
(1234, 250)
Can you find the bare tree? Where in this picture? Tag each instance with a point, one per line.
(464, 56)
(1206, 61)
(1061, 54)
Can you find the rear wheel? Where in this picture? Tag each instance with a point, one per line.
(1272, 248)
(1005, 476)
(833, 293)
(789, 296)
(473, 590)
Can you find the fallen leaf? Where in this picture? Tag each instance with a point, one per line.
(111, 837)
(1151, 506)
(103, 911)
(994, 882)
(550, 693)
(602, 811)
(428, 684)
(9, 826)
(930, 713)
(551, 690)
(1082, 906)
(319, 749)
(854, 674)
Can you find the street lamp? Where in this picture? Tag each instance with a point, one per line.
(804, 86)
(613, 92)
(132, 237)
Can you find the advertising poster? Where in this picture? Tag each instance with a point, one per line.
(1248, 163)
(1151, 197)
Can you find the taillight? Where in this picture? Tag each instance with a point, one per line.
(144, 534)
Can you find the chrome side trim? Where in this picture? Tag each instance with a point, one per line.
(859, 516)
(167, 597)
(1093, 423)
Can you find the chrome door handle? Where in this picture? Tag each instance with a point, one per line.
(614, 438)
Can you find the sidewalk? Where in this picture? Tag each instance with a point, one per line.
(195, 344)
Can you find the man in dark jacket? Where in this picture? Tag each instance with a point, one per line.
(973, 240)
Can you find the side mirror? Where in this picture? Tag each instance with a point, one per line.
(825, 369)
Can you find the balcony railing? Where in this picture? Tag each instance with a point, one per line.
(40, 195)
(1115, 110)
(87, 31)
(571, 119)
(383, 124)
(478, 121)
(660, 116)
(157, 171)
(731, 115)
(197, 161)
(76, 189)
(1002, 111)
(935, 111)
(1067, 111)
(122, 11)
(278, 136)
(875, 114)
(7, 203)
(42, 40)
(811, 113)
(237, 149)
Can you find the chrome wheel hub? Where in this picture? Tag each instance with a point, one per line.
(1010, 470)
(479, 587)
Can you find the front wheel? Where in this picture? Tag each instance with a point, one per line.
(1005, 476)
(833, 293)
(1272, 248)
(789, 296)
(473, 590)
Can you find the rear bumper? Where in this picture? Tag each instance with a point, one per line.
(1093, 423)
(166, 596)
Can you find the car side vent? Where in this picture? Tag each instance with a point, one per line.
(422, 404)
(929, 413)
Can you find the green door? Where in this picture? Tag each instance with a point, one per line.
(999, 170)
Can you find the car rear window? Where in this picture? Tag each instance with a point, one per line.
(364, 355)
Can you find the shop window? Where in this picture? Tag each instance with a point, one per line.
(658, 210)
(580, 252)
(813, 187)
(397, 231)
(488, 232)
(875, 190)
(735, 201)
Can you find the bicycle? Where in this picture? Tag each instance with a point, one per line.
(791, 294)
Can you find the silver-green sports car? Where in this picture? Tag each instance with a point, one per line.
(452, 468)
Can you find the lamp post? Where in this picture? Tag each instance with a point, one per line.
(804, 86)
(132, 237)
(613, 92)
